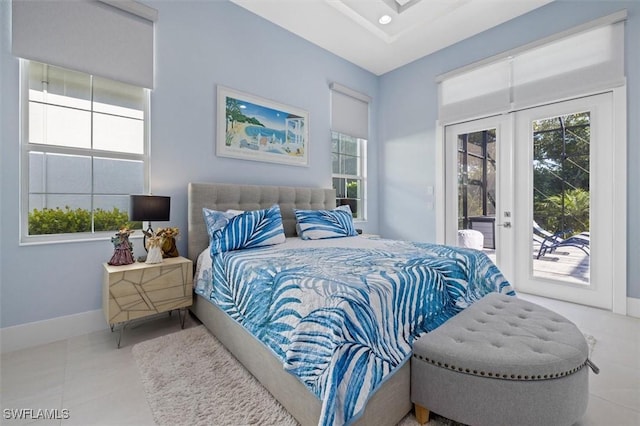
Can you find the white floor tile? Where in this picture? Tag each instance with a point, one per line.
(30, 376)
(45, 399)
(126, 405)
(601, 412)
(100, 384)
(626, 353)
(616, 383)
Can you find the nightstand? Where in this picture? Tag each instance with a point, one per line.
(140, 290)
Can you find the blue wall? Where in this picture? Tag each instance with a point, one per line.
(198, 46)
(408, 114)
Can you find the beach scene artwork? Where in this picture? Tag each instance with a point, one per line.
(257, 129)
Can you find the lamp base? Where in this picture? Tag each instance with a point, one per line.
(148, 232)
(141, 259)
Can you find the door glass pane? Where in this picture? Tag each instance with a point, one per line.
(477, 190)
(560, 225)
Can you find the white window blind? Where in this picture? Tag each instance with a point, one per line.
(112, 39)
(349, 112)
(481, 91)
(584, 61)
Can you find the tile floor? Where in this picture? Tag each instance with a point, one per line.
(100, 385)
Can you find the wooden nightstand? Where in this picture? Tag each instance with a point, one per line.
(140, 290)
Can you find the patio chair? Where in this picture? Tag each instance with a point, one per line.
(549, 242)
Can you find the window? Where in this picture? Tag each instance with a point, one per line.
(84, 150)
(349, 165)
(349, 135)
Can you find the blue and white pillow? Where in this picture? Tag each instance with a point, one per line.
(215, 219)
(321, 224)
(256, 228)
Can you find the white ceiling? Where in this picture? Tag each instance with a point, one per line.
(350, 28)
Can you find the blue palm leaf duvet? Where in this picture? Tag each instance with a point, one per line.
(342, 319)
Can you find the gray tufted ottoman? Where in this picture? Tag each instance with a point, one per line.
(502, 361)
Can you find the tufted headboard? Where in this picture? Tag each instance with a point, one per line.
(220, 196)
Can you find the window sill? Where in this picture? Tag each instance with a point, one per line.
(38, 240)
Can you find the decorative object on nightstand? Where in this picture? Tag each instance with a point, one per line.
(169, 235)
(140, 290)
(161, 244)
(123, 248)
(154, 249)
(149, 208)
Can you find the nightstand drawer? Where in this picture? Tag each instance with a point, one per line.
(139, 290)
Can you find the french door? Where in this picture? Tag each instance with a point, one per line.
(564, 202)
(542, 179)
(478, 186)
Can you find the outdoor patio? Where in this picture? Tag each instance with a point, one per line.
(567, 264)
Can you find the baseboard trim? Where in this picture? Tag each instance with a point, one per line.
(633, 307)
(40, 332)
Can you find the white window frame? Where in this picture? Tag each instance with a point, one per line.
(362, 177)
(26, 147)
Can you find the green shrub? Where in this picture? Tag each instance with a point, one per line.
(67, 220)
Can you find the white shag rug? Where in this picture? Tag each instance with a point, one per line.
(191, 379)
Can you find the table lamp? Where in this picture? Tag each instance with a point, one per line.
(149, 208)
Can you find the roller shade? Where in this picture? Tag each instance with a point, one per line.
(481, 91)
(112, 39)
(585, 61)
(349, 112)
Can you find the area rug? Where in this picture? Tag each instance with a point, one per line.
(191, 379)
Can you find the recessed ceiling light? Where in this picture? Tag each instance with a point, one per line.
(384, 19)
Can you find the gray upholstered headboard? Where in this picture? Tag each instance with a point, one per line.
(219, 196)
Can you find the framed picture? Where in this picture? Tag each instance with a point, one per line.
(253, 128)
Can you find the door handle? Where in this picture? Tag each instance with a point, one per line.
(506, 224)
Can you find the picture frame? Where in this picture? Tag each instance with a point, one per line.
(253, 128)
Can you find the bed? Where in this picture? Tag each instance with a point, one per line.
(387, 400)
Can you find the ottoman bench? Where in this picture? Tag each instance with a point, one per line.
(502, 361)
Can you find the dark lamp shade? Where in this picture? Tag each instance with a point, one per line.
(149, 207)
